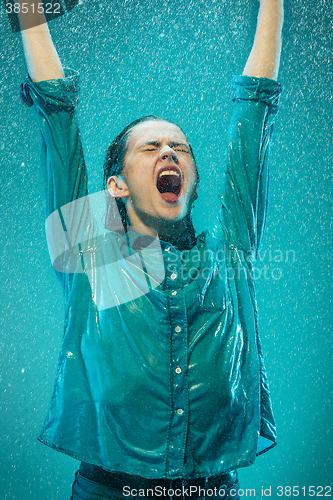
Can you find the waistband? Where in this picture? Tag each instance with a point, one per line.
(119, 480)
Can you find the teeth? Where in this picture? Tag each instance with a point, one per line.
(169, 172)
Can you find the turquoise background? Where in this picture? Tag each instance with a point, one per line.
(176, 59)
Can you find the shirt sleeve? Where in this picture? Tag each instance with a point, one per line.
(61, 155)
(245, 181)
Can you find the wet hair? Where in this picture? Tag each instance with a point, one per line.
(113, 165)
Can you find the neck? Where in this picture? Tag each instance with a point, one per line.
(169, 231)
(166, 230)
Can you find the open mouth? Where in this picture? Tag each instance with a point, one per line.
(169, 183)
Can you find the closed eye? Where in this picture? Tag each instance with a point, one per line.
(180, 147)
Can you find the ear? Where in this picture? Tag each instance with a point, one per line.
(117, 187)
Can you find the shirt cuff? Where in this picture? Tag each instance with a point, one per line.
(60, 93)
(251, 88)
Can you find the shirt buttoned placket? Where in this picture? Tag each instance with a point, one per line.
(178, 424)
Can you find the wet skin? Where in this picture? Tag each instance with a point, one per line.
(156, 149)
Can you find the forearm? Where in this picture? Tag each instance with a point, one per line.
(41, 56)
(264, 58)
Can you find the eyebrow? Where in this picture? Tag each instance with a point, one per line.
(158, 144)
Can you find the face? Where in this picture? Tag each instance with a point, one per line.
(158, 180)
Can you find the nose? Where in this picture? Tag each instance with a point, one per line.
(168, 153)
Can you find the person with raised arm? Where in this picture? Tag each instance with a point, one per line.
(161, 388)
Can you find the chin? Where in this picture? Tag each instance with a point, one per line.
(172, 216)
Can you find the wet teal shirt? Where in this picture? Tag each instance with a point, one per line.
(168, 382)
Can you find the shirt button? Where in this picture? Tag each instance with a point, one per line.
(174, 293)
(168, 249)
(178, 370)
(178, 329)
(180, 411)
(173, 276)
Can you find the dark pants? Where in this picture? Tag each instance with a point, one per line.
(93, 483)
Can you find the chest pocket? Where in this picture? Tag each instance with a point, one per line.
(213, 290)
(208, 277)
